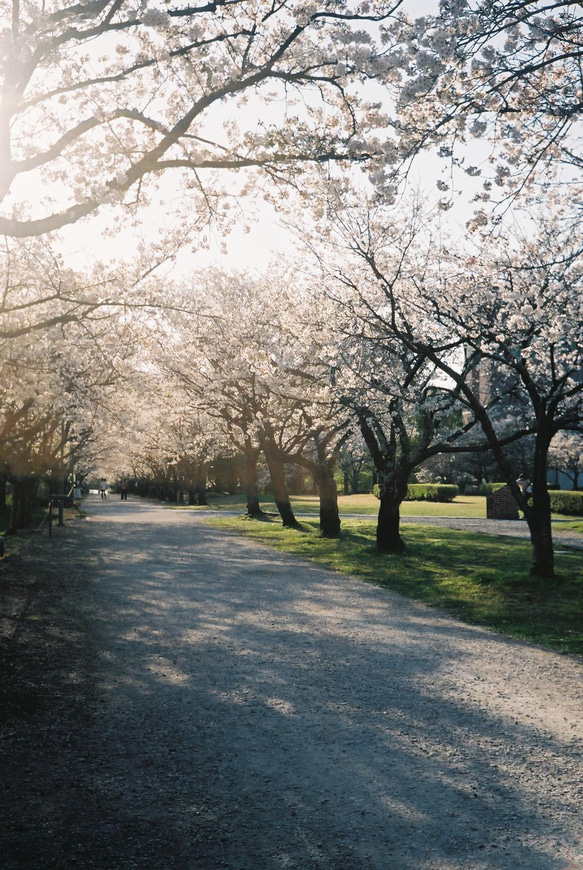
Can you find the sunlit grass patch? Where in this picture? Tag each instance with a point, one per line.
(481, 579)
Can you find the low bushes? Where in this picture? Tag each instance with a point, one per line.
(441, 492)
(437, 492)
(567, 502)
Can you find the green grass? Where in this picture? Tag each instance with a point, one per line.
(468, 506)
(480, 579)
(362, 504)
(568, 525)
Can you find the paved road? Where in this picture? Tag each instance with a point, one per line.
(254, 712)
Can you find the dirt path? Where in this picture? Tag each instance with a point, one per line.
(216, 704)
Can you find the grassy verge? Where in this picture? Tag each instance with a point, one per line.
(468, 506)
(480, 579)
(363, 504)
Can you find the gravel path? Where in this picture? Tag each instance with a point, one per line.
(239, 708)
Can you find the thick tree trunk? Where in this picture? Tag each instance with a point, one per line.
(389, 538)
(278, 483)
(543, 563)
(329, 515)
(253, 505)
(537, 513)
(538, 517)
(286, 513)
(251, 481)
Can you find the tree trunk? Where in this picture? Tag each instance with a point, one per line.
(286, 513)
(329, 515)
(23, 491)
(543, 564)
(253, 505)
(538, 516)
(278, 482)
(200, 484)
(251, 481)
(389, 539)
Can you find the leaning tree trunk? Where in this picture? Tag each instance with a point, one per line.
(281, 495)
(278, 482)
(327, 490)
(251, 481)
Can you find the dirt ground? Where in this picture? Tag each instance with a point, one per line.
(176, 698)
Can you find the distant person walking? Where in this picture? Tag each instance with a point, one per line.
(103, 487)
(123, 487)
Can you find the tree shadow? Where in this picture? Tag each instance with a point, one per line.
(259, 713)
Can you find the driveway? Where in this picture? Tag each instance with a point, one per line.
(246, 710)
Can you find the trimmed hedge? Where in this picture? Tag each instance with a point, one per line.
(439, 492)
(567, 502)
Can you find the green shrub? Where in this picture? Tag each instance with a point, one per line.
(438, 492)
(567, 502)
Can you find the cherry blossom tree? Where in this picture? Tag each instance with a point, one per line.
(48, 397)
(248, 355)
(503, 74)
(403, 420)
(389, 389)
(217, 354)
(99, 99)
(171, 459)
(65, 339)
(501, 325)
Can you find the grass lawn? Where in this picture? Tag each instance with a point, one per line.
(481, 579)
(362, 504)
(468, 506)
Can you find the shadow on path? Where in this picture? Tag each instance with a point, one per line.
(255, 712)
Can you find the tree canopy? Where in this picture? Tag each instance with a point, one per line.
(506, 74)
(99, 99)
